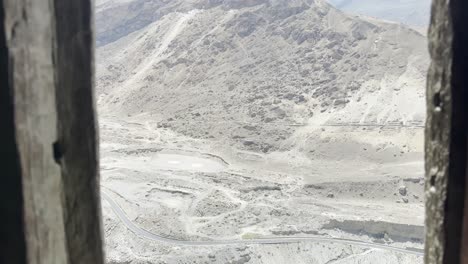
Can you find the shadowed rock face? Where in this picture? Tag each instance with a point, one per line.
(249, 72)
(380, 229)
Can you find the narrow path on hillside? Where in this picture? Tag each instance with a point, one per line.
(276, 240)
(168, 38)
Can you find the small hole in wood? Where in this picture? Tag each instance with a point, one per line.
(57, 152)
(432, 181)
(437, 101)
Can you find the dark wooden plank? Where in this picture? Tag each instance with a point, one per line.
(30, 32)
(437, 134)
(49, 137)
(12, 243)
(77, 148)
(446, 133)
(460, 82)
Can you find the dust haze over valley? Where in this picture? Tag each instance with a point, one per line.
(259, 131)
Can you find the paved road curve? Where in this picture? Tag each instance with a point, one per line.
(276, 240)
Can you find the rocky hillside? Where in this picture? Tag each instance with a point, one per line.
(254, 72)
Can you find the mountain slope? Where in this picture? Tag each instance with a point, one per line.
(254, 73)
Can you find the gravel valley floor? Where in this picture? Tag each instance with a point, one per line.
(194, 190)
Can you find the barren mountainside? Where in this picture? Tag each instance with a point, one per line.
(231, 128)
(252, 73)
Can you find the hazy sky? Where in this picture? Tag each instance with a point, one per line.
(410, 12)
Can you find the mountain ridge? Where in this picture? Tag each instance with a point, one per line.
(262, 64)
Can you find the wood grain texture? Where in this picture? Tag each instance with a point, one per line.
(77, 130)
(29, 27)
(446, 128)
(437, 139)
(47, 67)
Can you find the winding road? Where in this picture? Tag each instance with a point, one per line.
(276, 240)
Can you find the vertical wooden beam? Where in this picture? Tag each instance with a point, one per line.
(29, 28)
(12, 244)
(459, 11)
(49, 139)
(437, 134)
(77, 130)
(446, 133)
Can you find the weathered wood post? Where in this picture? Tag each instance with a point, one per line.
(49, 199)
(446, 133)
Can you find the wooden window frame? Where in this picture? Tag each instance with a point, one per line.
(49, 137)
